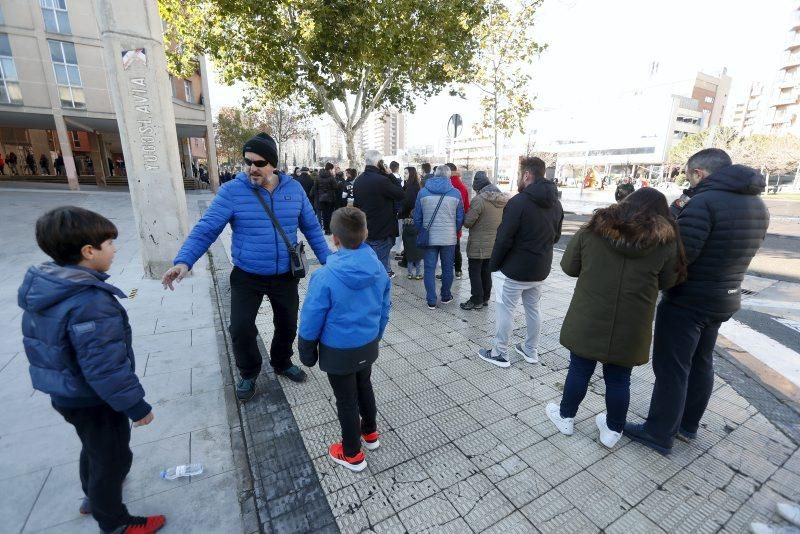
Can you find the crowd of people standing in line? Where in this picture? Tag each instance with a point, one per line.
(695, 251)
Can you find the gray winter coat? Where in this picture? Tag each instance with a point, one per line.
(482, 219)
(449, 218)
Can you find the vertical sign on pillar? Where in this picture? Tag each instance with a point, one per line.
(137, 75)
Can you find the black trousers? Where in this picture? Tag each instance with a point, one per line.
(326, 209)
(683, 350)
(480, 280)
(354, 399)
(459, 260)
(247, 293)
(105, 459)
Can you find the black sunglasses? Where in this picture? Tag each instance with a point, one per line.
(260, 163)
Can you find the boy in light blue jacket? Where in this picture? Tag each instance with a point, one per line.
(345, 312)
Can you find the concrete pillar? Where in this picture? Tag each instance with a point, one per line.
(136, 69)
(107, 170)
(97, 159)
(211, 147)
(187, 159)
(66, 151)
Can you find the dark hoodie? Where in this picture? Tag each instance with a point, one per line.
(327, 188)
(531, 225)
(722, 227)
(78, 340)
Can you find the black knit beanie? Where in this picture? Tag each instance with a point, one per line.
(263, 145)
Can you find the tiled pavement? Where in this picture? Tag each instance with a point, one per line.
(466, 447)
(175, 341)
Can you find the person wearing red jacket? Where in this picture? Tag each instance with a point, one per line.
(455, 179)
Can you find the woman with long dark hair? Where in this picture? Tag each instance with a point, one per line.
(622, 257)
(412, 254)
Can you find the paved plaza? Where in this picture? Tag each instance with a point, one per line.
(175, 342)
(465, 446)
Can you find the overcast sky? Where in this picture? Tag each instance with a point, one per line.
(599, 53)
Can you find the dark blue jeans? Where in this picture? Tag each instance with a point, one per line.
(683, 362)
(431, 256)
(618, 389)
(382, 248)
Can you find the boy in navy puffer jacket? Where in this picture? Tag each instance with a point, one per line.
(342, 322)
(78, 342)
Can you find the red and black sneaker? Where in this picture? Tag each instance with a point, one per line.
(353, 463)
(371, 441)
(142, 525)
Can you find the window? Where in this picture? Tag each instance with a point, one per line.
(9, 83)
(709, 100)
(68, 76)
(187, 89)
(55, 16)
(76, 140)
(172, 85)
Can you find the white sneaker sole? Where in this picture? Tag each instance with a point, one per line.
(357, 467)
(605, 439)
(494, 362)
(556, 420)
(525, 356)
(371, 446)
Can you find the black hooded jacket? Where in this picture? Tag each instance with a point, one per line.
(722, 227)
(531, 225)
(327, 187)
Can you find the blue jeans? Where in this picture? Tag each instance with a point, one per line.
(618, 389)
(414, 267)
(382, 248)
(431, 257)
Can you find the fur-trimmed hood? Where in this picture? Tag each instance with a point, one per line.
(634, 237)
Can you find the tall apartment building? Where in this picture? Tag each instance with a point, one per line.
(711, 93)
(331, 142)
(384, 131)
(648, 146)
(786, 104)
(753, 114)
(53, 86)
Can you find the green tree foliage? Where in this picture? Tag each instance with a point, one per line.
(502, 67)
(346, 58)
(768, 153)
(232, 129)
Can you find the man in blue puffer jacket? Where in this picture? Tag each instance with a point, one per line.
(344, 315)
(723, 223)
(260, 257)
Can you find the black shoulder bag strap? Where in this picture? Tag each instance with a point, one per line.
(430, 223)
(295, 252)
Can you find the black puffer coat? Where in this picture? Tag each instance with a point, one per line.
(327, 188)
(722, 227)
(374, 193)
(531, 225)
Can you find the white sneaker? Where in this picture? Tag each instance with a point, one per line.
(564, 425)
(521, 351)
(790, 512)
(608, 437)
(763, 528)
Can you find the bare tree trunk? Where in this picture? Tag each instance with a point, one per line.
(496, 148)
(350, 140)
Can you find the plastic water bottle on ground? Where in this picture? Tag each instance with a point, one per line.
(181, 471)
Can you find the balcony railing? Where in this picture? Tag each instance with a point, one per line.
(791, 61)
